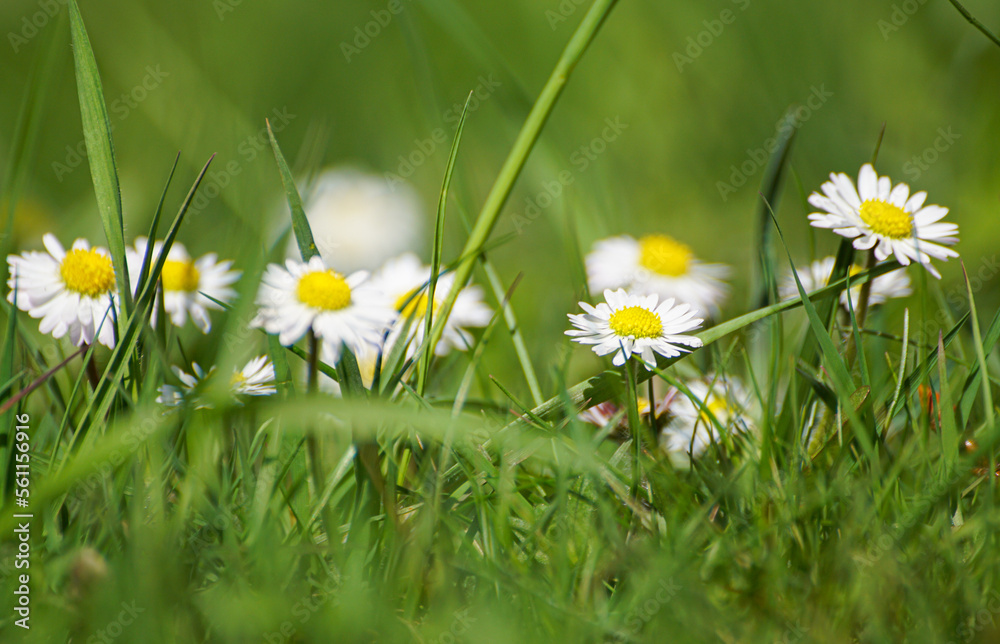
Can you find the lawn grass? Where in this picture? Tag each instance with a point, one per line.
(449, 502)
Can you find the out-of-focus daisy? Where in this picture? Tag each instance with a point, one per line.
(628, 325)
(340, 310)
(884, 218)
(817, 275)
(404, 280)
(657, 264)
(73, 292)
(690, 429)
(188, 285)
(360, 220)
(254, 379)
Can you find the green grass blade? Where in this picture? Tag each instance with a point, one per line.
(300, 224)
(432, 339)
(770, 187)
(100, 153)
(970, 390)
(523, 145)
(977, 339)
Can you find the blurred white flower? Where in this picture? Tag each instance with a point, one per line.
(404, 281)
(72, 292)
(358, 220)
(657, 264)
(817, 275)
(188, 285)
(690, 429)
(254, 379)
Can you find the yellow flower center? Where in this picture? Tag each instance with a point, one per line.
(237, 379)
(87, 272)
(636, 322)
(664, 255)
(719, 408)
(325, 290)
(886, 219)
(411, 304)
(180, 276)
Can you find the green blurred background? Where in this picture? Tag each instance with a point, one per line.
(224, 66)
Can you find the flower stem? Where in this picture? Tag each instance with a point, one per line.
(635, 427)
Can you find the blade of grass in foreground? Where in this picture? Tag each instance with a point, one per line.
(428, 349)
(518, 156)
(114, 372)
(100, 153)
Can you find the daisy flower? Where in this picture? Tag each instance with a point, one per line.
(404, 281)
(884, 218)
(360, 220)
(340, 310)
(628, 325)
(817, 275)
(254, 379)
(188, 285)
(690, 429)
(657, 264)
(73, 292)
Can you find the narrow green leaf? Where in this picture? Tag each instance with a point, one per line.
(300, 224)
(949, 433)
(432, 335)
(100, 153)
(523, 145)
(770, 186)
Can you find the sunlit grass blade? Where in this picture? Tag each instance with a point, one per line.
(100, 153)
(523, 145)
